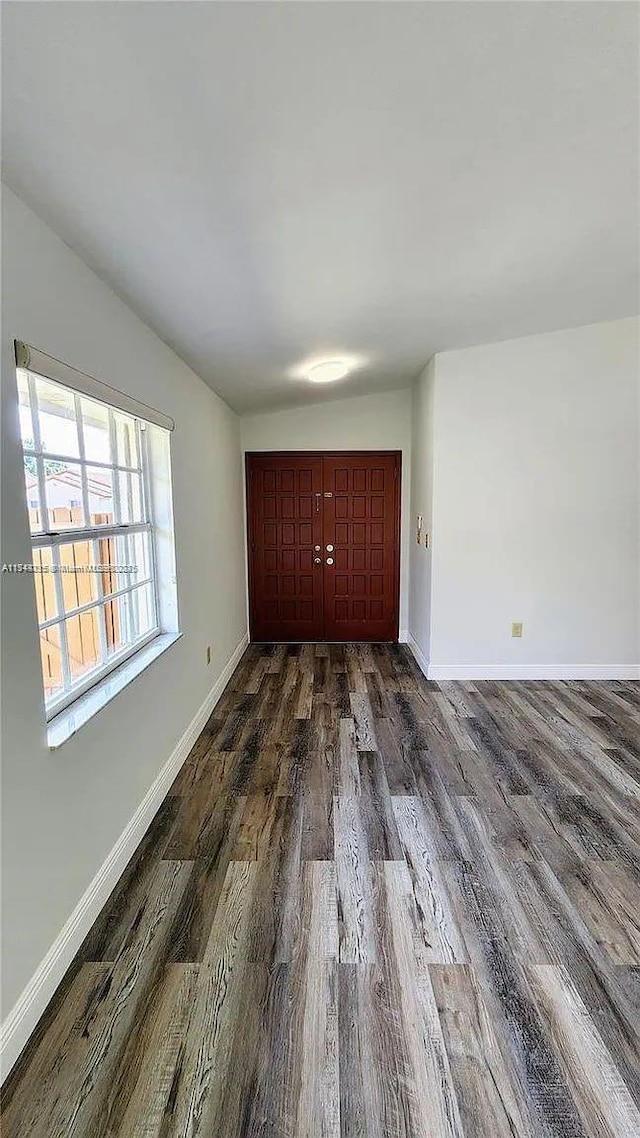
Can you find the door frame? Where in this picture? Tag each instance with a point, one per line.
(313, 453)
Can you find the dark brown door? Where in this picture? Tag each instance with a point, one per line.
(300, 504)
(284, 498)
(360, 522)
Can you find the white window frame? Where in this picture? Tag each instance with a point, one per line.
(54, 538)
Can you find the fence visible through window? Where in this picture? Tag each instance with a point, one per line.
(88, 500)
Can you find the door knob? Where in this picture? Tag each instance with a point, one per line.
(329, 549)
(317, 560)
(329, 560)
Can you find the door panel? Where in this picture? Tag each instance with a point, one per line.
(298, 502)
(360, 519)
(285, 524)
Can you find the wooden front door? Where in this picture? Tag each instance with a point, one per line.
(324, 535)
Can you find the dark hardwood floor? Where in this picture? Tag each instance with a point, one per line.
(371, 906)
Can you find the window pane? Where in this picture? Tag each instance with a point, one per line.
(44, 580)
(100, 488)
(109, 557)
(57, 419)
(140, 555)
(32, 487)
(126, 561)
(83, 640)
(115, 626)
(79, 579)
(126, 440)
(129, 617)
(142, 604)
(63, 488)
(95, 426)
(26, 423)
(51, 661)
(130, 497)
(120, 623)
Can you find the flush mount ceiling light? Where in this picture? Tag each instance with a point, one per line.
(328, 371)
(325, 367)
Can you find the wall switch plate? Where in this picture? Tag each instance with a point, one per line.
(208, 654)
(516, 628)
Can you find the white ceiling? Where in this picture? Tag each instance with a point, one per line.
(265, 183)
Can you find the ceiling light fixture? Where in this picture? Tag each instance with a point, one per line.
(328, 371)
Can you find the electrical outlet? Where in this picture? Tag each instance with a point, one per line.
(516, 628)
(208, 654)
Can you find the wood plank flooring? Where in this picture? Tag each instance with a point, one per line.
(371, 906)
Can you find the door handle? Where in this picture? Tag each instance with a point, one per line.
(329, 560)
(317, 560)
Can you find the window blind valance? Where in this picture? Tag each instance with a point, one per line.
(39, 362)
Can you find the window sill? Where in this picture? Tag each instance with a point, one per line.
(64, 725)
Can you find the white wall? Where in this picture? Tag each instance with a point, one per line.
(535, 506)
(420, 560)
(366, 422)
(64, 810)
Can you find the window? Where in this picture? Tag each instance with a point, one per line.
(89, 490)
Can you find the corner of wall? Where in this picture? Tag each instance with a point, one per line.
(422, 467)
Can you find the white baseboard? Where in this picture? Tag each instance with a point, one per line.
(31, 1004)
(522, 671)
(403, 636)
(418, 655)
(533, 672)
